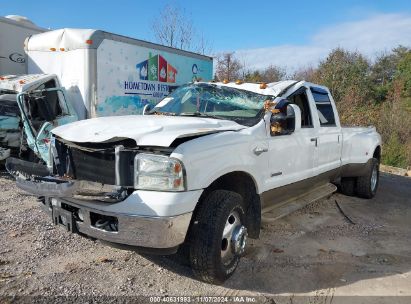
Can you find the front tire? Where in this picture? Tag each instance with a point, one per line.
(218, 236)
(367, 185)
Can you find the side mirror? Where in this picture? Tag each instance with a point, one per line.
(297, 116)
(147, 108)
(286, 120)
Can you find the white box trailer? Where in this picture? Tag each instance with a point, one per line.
(13, 31)
(75, 74)
(106, 74)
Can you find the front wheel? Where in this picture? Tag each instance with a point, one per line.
(218, 237)
(367, 185)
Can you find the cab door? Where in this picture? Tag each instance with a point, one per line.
(291, 157)
(329, 136)
(43, 109)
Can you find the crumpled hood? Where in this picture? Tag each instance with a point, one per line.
(146, 130)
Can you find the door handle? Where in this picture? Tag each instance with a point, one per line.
(259, 150)
(316, 140)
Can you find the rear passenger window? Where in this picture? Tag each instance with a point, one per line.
(324, 108)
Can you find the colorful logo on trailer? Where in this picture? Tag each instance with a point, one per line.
(156, 68)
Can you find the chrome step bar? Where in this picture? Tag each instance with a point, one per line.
(291, 205)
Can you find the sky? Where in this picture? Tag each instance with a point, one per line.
(290, 34)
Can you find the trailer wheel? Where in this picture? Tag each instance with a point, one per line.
(347, 185)
(367, 185)
(218, 236)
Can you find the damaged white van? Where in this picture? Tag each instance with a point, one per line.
(202, 168)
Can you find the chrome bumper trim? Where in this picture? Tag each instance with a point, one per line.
(134, 230)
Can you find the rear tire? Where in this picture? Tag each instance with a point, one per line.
(216, 236)
(367, 185)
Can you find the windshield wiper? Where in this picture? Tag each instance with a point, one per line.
(199, 114)
(155, 112)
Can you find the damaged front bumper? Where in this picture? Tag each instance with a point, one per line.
(134, 220)
(162, 233)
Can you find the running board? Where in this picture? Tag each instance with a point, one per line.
(294, 204)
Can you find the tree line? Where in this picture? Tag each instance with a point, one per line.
(366, 92)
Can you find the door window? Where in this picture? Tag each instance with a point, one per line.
(42, 106)
(324, 108)
(300, 99)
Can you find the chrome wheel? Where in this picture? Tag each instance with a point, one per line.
(234, 238)
(374, 178)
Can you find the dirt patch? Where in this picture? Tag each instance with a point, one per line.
(314, 251)
(396, 170)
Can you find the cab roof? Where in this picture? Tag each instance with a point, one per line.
(271, 89)
(22, 83)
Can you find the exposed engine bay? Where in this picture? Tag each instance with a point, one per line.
(105, 163)
(86, 171)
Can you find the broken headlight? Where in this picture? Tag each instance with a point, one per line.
(158, 172)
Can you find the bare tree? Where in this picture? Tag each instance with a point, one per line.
(305, 73)
(203, 45)
(254, 76)
(273, 73)
(174, 28)
(228, 67)
(166, 27)
(270, 74)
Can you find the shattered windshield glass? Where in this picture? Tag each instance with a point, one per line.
(214, 101)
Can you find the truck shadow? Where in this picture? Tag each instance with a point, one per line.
(319, 248)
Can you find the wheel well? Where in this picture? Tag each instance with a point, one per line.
(377, 153)
(243, 184)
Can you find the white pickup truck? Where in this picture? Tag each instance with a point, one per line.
(201, 168)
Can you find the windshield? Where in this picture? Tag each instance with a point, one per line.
(211, 100)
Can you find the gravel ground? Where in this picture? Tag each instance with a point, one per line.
(314, 252)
